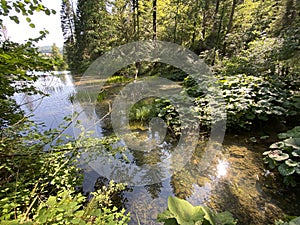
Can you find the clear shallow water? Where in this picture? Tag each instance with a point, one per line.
(51, 110)
(236, 180)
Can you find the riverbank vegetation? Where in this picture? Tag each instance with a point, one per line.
(252, 48)
(40, 177)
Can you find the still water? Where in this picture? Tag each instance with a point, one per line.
(236, 179)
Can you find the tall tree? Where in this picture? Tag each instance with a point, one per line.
(154, 8)
(68, 17)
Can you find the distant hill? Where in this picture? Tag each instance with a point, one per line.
(48, 49)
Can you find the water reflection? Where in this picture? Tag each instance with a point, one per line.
(229, 183)
(222, 168)
(51, 110)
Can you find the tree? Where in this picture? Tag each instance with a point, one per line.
(58, 59)
(18, 61)
(68, 18)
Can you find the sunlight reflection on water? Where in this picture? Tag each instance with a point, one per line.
(222, 168)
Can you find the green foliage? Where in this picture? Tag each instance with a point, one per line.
(143, 111)
(285, 156)
(117, 79)
(25, 7)
(17, 61)
(182, 212)
(248, 99)
(37, 166)
(168, 112)
(39, 171)
(68, 207)
(30, 172)
(294, 221)
(57, 57)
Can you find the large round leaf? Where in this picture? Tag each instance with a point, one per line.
(184, 212)
(286, 170)
(293, 142)
(298, 169)
(291, 163)
(278, 155)
(277, 145)
(295, 221)
(296, 153)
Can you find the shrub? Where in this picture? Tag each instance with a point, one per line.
(285, 155)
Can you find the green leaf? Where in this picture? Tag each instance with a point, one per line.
(15, 19)
(209, 215)
(278, 155)
(32, 25)
(295, 221)
(293, 142)
(47, 12)
(181, 209)
(298, 169)
(296, 153)
(225, 218)
(277, 145)
(291, 163)
(286, 170)
(161, 217)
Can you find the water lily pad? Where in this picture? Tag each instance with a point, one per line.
(291, 163)
(286, 170)
(277, 145)
(278, 155)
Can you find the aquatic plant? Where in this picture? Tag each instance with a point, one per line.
(143, 111)
(285, 155)
(118, 79)
(249, 99)
(181, 212)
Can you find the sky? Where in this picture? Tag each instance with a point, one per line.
(20, 32)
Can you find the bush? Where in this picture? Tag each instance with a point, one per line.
(248, 99)
(285, 156)
(40, 175)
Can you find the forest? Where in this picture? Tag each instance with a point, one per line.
(252, 49)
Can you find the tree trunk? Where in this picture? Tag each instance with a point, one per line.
(230, 23)
(154, 19)
(204, 18)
